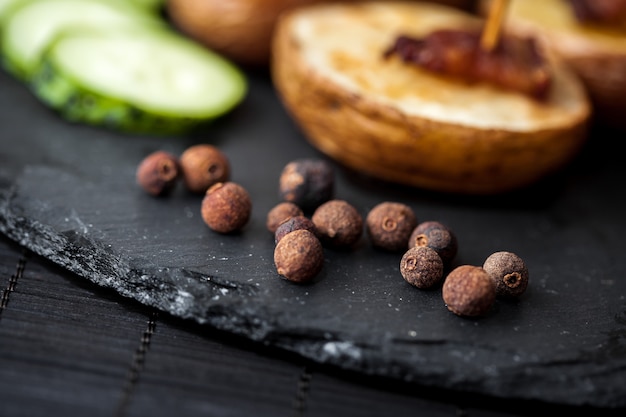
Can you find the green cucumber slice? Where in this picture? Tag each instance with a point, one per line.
(142, 81)
(30, 26)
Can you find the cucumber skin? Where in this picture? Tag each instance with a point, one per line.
(77, 104)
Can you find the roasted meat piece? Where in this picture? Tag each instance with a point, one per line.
(515, 63)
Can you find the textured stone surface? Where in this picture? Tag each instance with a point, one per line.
(67, 192)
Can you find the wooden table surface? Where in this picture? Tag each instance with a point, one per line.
(71, 348)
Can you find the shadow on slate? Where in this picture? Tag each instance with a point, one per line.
(68, 193)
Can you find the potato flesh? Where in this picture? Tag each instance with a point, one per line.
(353, 59)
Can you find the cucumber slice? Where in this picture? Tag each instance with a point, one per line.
(28, 28)
(142, 81)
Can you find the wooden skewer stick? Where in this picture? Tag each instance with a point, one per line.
(491, 32)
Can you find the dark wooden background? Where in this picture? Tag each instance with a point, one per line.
(71, 348)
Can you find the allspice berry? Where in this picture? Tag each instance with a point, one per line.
(204, 165)
(389, 225)
(509, 273)
(226, 207)
(436, 236)
(468, 290)
(307, 182)
(338, 223)
(299, 256)
(422, 267)
(158, 172)
(292, 224)
(281, 212)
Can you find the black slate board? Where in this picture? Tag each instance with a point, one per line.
(67, 192)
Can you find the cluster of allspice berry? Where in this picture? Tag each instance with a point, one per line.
(205, 170)
(309, 218)
(429, 250)
(471, 290)
(429, 247)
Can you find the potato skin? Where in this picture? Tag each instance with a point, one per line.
(607, 88)
(382, 141)
(239, 29)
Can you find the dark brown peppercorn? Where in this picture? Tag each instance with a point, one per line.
(509, 273)
(422, 267)
(307, 183)
(204, 165)
(299, 256)
(226, 207)
(339, 225)
(469, 291)
(292, 224)
(158, 172)
(437, 236)
(280, 213)
(389, 225)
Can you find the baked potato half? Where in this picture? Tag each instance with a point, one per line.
(404, 124)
